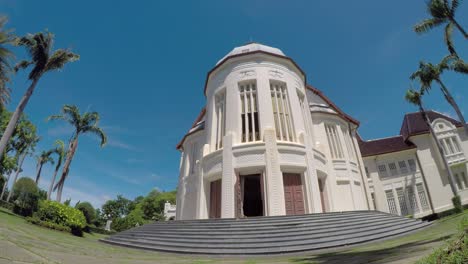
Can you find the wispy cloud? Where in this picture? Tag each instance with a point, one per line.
(112, 142)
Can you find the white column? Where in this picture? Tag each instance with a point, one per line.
(228, 180)
(274, 177)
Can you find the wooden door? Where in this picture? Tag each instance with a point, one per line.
(322, 194)
(215, 199)
(293, 195)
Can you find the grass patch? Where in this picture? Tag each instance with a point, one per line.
(22, 241)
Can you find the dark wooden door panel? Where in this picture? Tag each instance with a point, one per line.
(215, 199)
(293, 195)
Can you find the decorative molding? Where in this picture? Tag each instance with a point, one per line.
(276, 74)
(247, 74)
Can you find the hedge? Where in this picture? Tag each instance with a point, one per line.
(55, 212)
(6, 205)
(37, 221)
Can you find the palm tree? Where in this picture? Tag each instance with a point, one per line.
(6, 55)
(24, 139)
(442, 12)
(415, 98)
(60, 151)
(29, 148)
(428, 72)
(39, 47)
(83, 123)
(43, 158)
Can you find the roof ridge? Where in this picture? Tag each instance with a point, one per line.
(370, 140)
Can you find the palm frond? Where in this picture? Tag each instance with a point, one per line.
(455, 4)
(413, 97)
(427, 24)
(22, 65)
(439, 9)
(460, 66)
(99, 132)
(90, 118)
(448, 38)
(60, 58)
(73, 114)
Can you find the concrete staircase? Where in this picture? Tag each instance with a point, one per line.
(266, 235)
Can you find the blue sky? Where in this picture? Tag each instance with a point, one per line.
(143, 66)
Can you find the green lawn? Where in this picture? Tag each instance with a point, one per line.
(21, 242)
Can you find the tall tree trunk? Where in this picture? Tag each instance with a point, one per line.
(459, 28)
(8, 179)
(441, 151)
(38, 175)
(17, 173)
(454, 104)
(16, 116)
(52, 182)
(66, 166)
(5, 186)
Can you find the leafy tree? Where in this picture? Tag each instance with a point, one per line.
(442, 12)
(39, 47)
(118, 208)
(415, 98)
(100, 219)
(153, 204)
(60, 152)
(26, 196)
(6, 38)
(42, 159)
(88, 211)
(23, 142)
(83, 123)
(133, 219)
(428, 73)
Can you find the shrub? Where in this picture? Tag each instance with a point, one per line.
(88, 211)
(133, 219)
(93, 229)
(61, 214)
(6, 205)
(37, 221)
(457, 205)
(26, 197)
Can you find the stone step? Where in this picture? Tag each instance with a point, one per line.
(266, 235)
(304, 245)
(278, 232)
(286, 236)
(267, 219)
(258, 226)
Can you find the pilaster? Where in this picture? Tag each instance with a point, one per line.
(274, 177)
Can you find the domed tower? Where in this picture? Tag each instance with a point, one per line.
(251, 151)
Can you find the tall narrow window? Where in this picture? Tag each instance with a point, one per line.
(450, 145)
(349, 144)
(402, 201)
(393, 169)
(193, 158)
(281, 112)
(412, 165)
(403, 167)
(367, 172)
(334, 141)
(305, 114)
(391, 202)
(422, 196)
(412, 199)
(249, 112)
(383, 170)
(461, 180)
(220, 111)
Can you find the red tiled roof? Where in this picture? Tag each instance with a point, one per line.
(414, 124)
(198, 119)
(333, 105)
(384, 145)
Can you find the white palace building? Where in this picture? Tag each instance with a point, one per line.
(269, 144)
